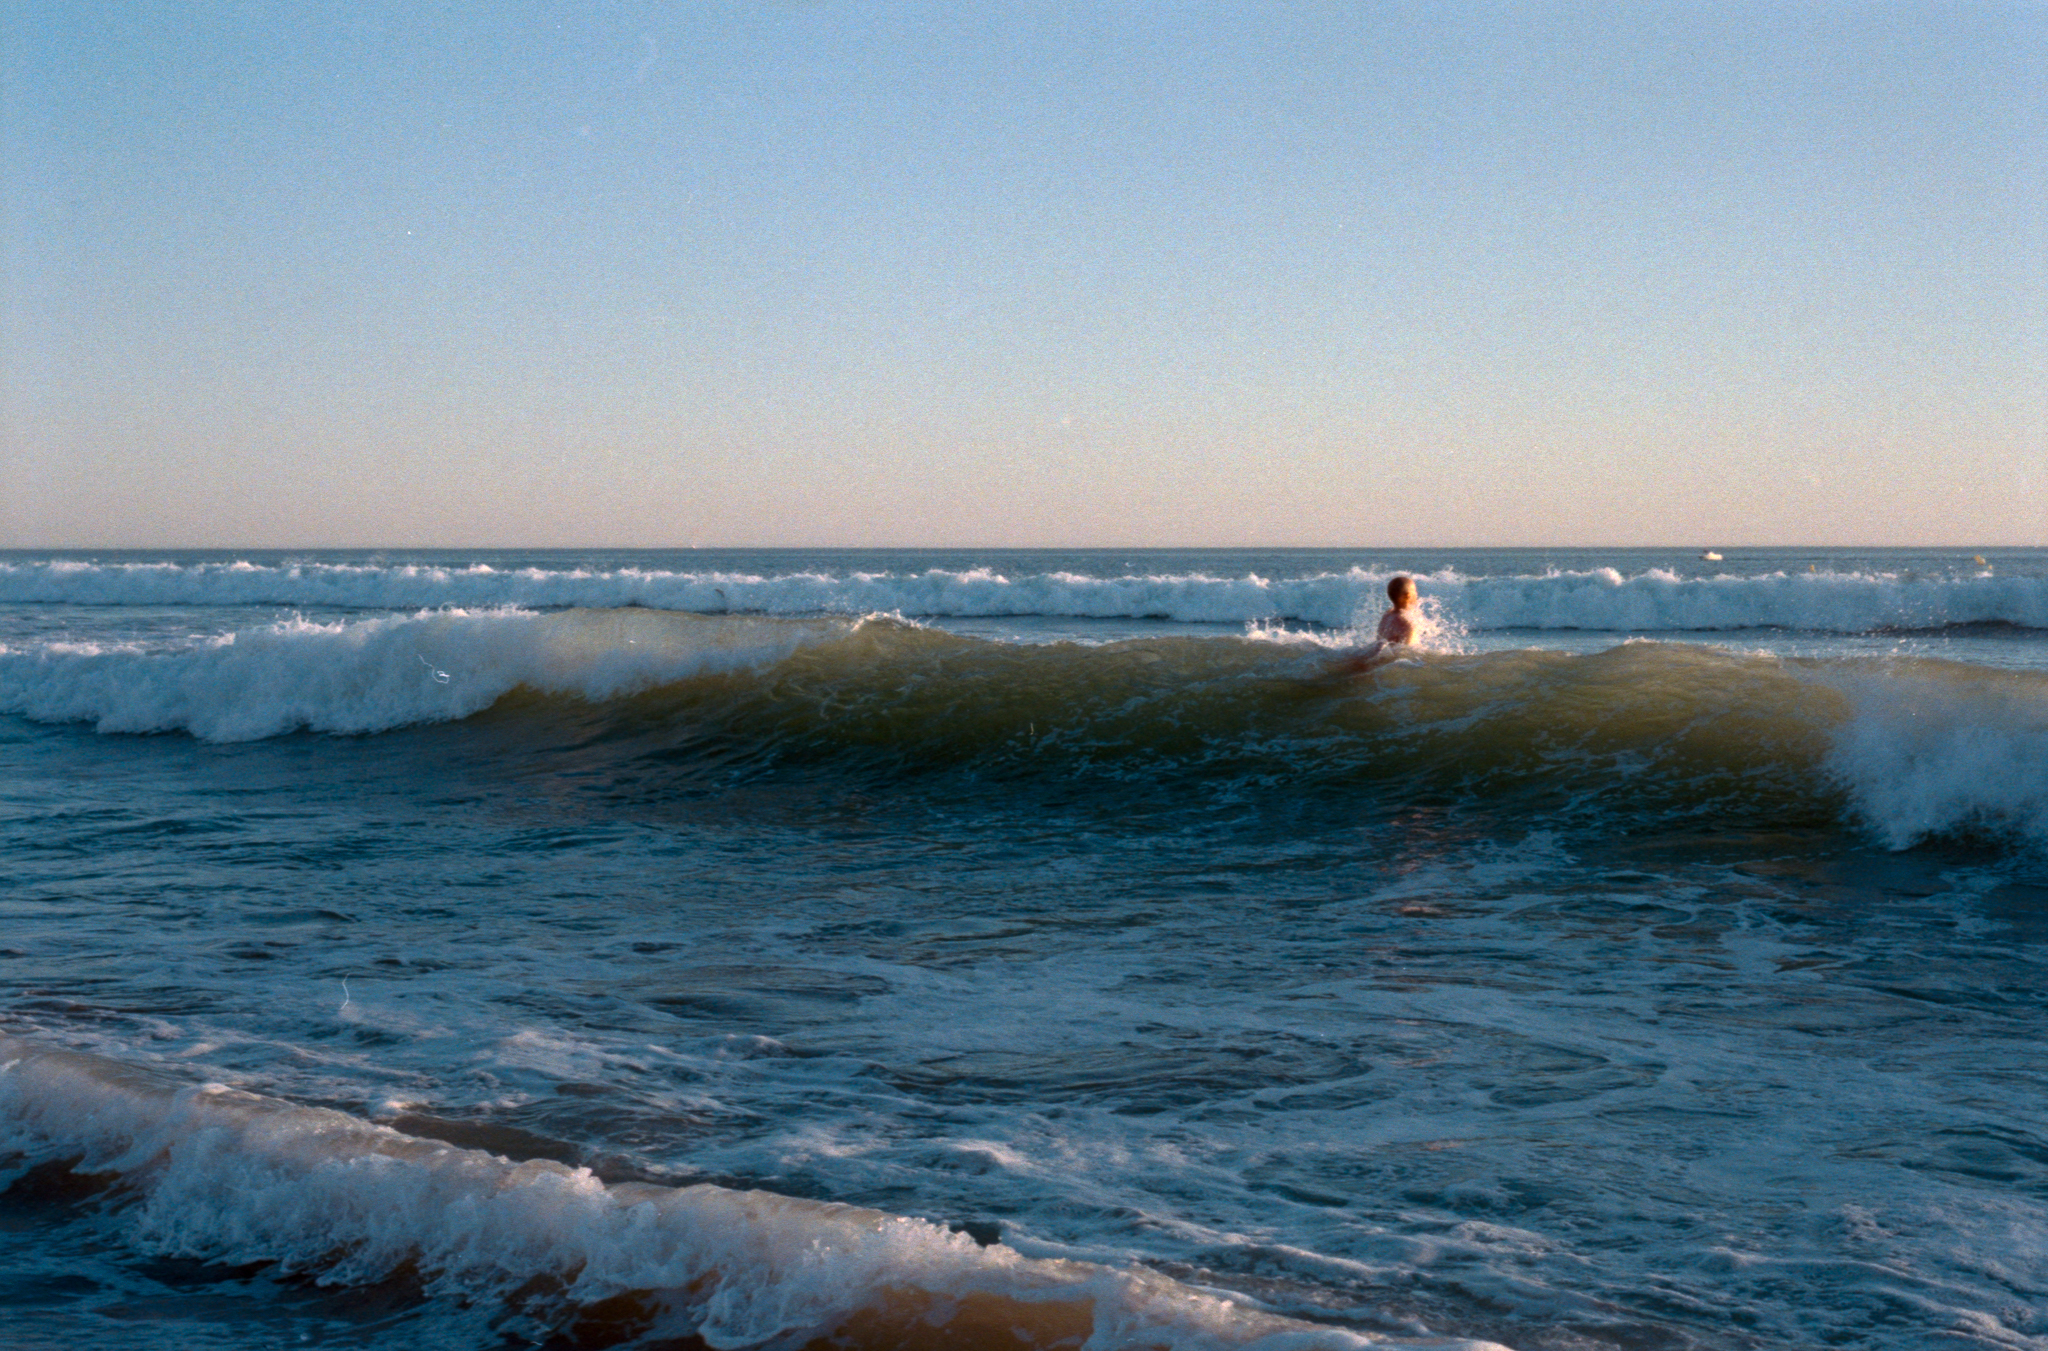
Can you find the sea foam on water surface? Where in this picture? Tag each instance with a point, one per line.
(373, 674)
(1937, 748)
(1602, 599)
(229, 1176)
(1825, 602)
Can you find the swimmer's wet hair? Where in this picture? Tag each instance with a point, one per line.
(1398, 583)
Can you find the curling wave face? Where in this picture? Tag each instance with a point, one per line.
(1641, 733)
(1655, 599)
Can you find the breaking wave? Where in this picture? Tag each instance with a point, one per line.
(375, 674)
(1641, 732)
(1601, 599)
(210, 1172)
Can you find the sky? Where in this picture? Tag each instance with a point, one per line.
(281, 275)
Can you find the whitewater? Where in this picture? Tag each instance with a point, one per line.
(1023, 949)
(1864, 597)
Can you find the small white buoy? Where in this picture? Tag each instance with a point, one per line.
(1710, 557)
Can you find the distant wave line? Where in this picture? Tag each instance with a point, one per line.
(1598, 599)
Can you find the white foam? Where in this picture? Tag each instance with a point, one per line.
(372, 674)
(1934, 748)
(1435, 631)
(225, 1175)
(1661, 601)
(1604, 599)
(1331, 598)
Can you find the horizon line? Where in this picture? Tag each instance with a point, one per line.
(1976, 547)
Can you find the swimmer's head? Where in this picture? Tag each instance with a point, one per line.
(1401, 590)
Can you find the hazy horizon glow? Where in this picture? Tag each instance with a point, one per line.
(1058, 274)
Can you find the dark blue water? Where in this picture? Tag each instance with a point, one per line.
(1650, 961)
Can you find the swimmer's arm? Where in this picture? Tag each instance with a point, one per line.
(1357, 662)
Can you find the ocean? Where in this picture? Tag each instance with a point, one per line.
(1004, 949)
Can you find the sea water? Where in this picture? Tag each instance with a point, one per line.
(1002, 949)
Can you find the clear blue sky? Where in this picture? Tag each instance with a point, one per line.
(1118, 273)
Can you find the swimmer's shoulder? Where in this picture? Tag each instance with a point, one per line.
(1396, 627)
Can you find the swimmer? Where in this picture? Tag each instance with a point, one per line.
(1398, 627)
(1399, 623)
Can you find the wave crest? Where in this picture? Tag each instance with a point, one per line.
(1643, 732)
(1602, 599)
(375, 674)
(1952, 751)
